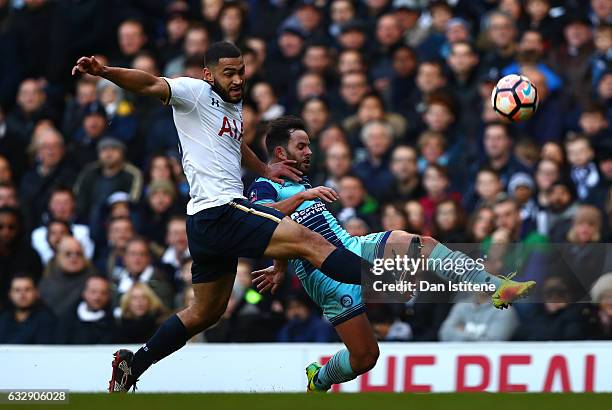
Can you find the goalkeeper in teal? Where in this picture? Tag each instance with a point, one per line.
(341, 302)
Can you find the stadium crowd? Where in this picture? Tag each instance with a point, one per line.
(395, 95)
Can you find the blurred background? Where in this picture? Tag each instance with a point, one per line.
(396, 99)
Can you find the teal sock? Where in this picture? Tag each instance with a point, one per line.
(442, 253)
(337, 370)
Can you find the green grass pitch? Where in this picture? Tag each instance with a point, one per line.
(348, 401)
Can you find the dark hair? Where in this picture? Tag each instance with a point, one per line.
(280, 130)
(219, 50)
(595, 108)
(489, 170)
(61, 222)
(62, 189)
(23, 275)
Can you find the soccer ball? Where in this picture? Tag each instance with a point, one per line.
(515, 98)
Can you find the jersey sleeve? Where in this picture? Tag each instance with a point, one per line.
(262, 192)
(184, 92)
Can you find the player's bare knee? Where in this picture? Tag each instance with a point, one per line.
(364, 360)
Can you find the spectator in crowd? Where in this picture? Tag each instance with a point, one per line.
(601, 296)
(284, 60)
(478, 321)
(522, 187)
(432, 147)
(8, 196)
(547, 172)
(315, 112)
(16, 254)
(62, 207)
(141, 312)
(139, 268)
(111, 173)
(583, 171)
(372, 108)
(554, 318)
(408, 13)
(177, 247)
(429, 79)
(31, 108)
(463, 62)
(595, 126)
(556, 219)
(90, 320)
(338, 163)
(196, 43)
(401, 81)
(353, 87)
(416, 217)
(310, 84)
(11, 148)
(354, 201)
(340, 13)
(65, 276)
(377, 137)
(544, 125)
(110, 259)
(318, 60)
(303, 325)
(498, 152)
(266, 101)
(449, 222)
(177, 24)
(132, 39)
(387, 327)
(357, 227)
(55, 231)
(155, 213)
(501, 32)
(481, 224)
(232, 21)
(28, 320)
(394, 218)
(488, 187)
(52, 168)
(582, 260)
(406, 182)
(94, 126)
(573, 57)
(77, 107)
(119, 112)
(436, 184)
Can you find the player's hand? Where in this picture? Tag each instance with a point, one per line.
(88, 65)
(500, 236)
(269, 278)
(322, 192)
(282, 169)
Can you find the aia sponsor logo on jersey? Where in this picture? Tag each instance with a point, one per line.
(233, 129)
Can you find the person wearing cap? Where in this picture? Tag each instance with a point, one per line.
(522, 188)
(110, 173)
(408, 13)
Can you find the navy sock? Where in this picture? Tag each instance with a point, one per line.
(343, 266)
(170, 337)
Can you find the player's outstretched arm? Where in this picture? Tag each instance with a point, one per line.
(289, 205)
(136, 81)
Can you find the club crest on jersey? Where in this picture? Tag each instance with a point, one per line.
(234, 132)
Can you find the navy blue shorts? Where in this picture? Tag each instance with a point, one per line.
(218, 236)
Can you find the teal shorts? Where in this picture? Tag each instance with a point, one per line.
(340, 301)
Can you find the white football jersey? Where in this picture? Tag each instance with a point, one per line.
(210, 136)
